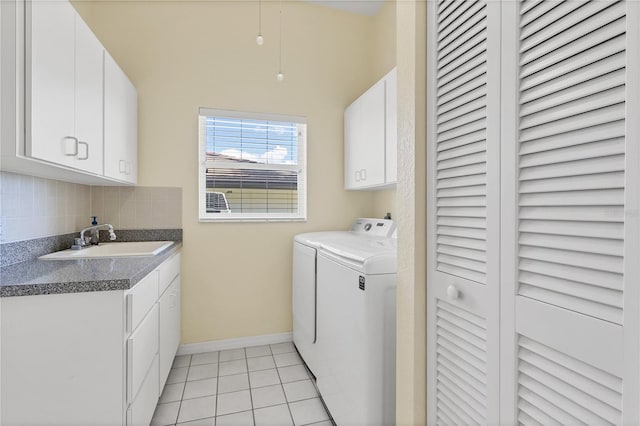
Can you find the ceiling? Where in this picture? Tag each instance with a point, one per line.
(362, 7)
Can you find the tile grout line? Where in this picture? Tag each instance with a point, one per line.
(246, 362)
(215, 410)
(184, 388)
(285, 394)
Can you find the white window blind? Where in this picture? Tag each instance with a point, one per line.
(252, 166)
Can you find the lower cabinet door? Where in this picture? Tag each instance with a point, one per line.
(142, 348)
(169, 328)
(141, 410)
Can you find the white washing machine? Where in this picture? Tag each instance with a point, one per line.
(344, 318)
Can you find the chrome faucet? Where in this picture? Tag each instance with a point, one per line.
(83, 241)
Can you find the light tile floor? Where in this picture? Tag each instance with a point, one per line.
(258, 386)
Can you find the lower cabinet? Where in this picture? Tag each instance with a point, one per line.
(169, 328)
(97, 358)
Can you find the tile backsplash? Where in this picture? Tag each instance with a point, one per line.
(33, 207)
(137, 207)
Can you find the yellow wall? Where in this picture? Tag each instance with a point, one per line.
(411, 219)
(186, 55)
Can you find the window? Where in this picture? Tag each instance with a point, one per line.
(252, 166)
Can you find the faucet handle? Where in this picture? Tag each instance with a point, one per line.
(77, 244)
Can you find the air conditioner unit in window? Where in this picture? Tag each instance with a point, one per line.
(217, 203)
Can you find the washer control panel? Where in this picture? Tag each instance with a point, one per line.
(374, 227)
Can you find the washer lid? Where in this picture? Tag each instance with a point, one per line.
(367, 255)
(313, 239)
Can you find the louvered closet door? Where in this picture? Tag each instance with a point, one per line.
(576, 275)
(463, 211)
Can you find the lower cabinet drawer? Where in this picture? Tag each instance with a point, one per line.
(141, 410)
(168, 271)
(140, 299)
(142, 348)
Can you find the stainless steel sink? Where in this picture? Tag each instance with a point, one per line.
(127, 249)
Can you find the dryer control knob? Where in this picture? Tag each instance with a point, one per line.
(453, 292)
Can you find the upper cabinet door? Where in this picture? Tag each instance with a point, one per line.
(50, 82)
(88, 99)
(64, 97)
(364, 139)
(120, 123)
(371, 150)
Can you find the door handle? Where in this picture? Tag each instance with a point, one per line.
(122, 166)
(357, 176)
(86, 157)
(363, 174)
(452, 292)
(75, 145)
(315, 297)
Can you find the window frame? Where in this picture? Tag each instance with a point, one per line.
(301, 168)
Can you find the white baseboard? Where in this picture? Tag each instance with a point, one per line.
(241, 342)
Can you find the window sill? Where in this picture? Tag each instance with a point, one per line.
(238, 219)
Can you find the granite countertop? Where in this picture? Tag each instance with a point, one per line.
(37, 277)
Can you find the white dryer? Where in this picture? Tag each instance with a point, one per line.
(344, 318)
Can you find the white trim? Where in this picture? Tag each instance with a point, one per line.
(252, 115)
(230, 217)
(493, 171)
(432, 63)
(509, 160)
(240, 342)
(631, 311)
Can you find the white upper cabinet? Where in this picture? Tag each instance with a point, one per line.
(120, 123)
(364, 139)
(50, 83)
(370, 137)
(89, 99)
(64, 97)
(60, 102)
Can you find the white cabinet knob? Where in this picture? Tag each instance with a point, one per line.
(453, 292)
